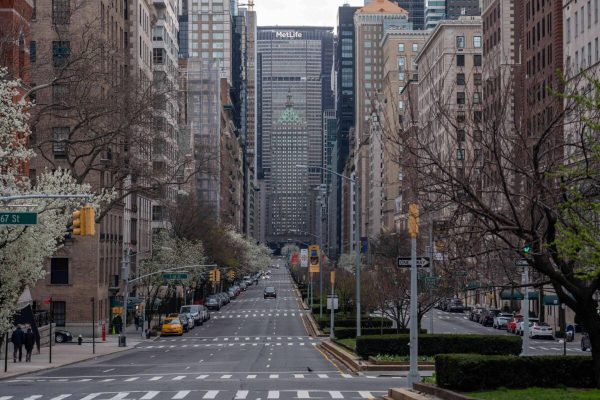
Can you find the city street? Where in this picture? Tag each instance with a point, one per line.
(447, 322)
(254, 348)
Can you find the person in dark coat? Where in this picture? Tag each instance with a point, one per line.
(29, 342)
(17, 339)
(118, 323)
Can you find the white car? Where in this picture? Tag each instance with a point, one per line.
(519, 330)
(540, 330)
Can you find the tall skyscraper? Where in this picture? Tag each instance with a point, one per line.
(435, 11)
(292, 61)
(416, 12)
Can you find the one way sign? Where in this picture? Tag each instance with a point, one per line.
(404, 262)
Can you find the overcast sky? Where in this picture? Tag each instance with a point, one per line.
(299, 12)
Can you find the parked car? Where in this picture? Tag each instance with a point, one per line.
(243, 286)
(171, 326)
(185, 323)
(270, 292)
(213, 303)
(455, 305)
(191, 321)
(225, 296)
(541, 330)
(520, 327)
(231, 293)
(62, 336)
(194, 311)
(487, 317)
(501, 320)
(511, 326)
(475, 313)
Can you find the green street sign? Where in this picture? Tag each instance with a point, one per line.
(430, 282)
(18, 218)
(175, 276)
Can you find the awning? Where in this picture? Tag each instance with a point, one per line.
(472, 286)
(551, 300)
(508, 294)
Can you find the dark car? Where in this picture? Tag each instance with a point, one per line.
(270, 292)
(487, 317)
(213, 303)
(456, 305)
(62, 336)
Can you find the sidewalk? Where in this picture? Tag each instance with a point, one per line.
(66, 353)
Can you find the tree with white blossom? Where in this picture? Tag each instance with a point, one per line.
(23, 249)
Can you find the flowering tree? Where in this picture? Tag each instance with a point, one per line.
(24, 248)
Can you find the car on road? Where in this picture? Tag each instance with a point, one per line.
(243, 286)
(185, 323)
(501, 320)
(511, 326)
(206, 315)
(171, 326)
(225, 297)
(195, 311)
(519, 330)
(270, 292)
(231, 293)
(487, 317)
(455, 305)
(541, 330)
(62, 336)
(213, 303)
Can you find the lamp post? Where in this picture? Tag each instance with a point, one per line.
(357, 229)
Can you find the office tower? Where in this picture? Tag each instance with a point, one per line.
(435, 11)
(416, 12)
(371, 22)
(296, 61)
(463, 8)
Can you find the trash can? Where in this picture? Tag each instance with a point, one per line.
(122, 341)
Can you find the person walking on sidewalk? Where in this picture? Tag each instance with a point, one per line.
(17, 340)
(29, 343)
(118, 323)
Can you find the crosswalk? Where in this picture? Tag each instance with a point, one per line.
(189, 377)
(232, 315)
(206, 395)
(555, 348)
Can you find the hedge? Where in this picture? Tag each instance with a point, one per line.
(366, 322)
(349, 333)
(471, 372)
(431, 345)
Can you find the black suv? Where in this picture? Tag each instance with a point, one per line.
(270, 292)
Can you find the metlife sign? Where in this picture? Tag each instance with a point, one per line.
(288, 35)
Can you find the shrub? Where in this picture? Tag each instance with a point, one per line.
(366, 322)
(347, 333)
(470, 372)
(431, 345)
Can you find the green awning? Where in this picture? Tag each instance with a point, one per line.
(472, 286)
(508, 294)
(551, 300)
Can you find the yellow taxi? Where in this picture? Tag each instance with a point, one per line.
(171, 326)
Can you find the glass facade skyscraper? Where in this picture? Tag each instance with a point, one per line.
(294, 61)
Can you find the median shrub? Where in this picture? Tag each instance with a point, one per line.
(349, 333)
(431, 345)
(471, 372)
(366, 322)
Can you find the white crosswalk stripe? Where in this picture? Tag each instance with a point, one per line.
(155, 378)
(178, 378)
(135, 378)
(336, 395)
(34, 397)
(251, 377)
(273, 394)
(149, 396)
(61, 397)
(181, 394)
(202, 377)
(274, 376)
(5, 397)
(365, 395)
(211, 394)
(303, 394)
(241, 394)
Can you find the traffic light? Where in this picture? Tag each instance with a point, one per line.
(413, 220)
(212, 276)
(84, 223)
(218, 275)
(527, 250)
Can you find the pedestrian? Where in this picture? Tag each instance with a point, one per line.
(118, 323)
(29, 343)
(17, 339)
(136, 320)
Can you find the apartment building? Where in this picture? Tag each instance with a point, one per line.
(371, 23)
(400, 49)
(16, 47)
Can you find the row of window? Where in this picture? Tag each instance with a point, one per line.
(461, 42)
(477, 60)
(579, 19)
(586, 59)
(415, 47)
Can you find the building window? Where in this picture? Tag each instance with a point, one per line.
(415, 47)
(460, 154)
(460, 135)
(477, 117)
(158, 56)
(59, 146)
(401, 105)
(60, 94)
(477, 79)
(59, 312)
(460, 117)
(401, 76)
(32, 51)
(59, 271)
(401, 47)
(460, 98)
(460, 42)
(476, 97)
(60, 52)
(61, 12)
(34, 11)
(477, 60)
(568, 23)
(460, 60)
(477, 42)
(596, 11)
(460, 79)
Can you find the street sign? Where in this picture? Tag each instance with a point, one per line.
(18, 218)
(521, 262)
(303, 258)
(430, 282)
(334, 300)
(404, 262)
(175, 276)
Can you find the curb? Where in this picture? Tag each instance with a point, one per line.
(352, 362)
(403, 394)
(444, 394)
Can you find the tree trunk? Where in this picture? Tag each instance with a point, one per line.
(591, 321)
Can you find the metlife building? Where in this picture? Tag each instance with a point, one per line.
(294, 61)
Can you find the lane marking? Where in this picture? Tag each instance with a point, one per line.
(178, 378)
(181, 394)
(274, 376)
(149, 395)
(91, 396)
(336, 395)
(226, 376)
(303, 394)
(108, 370)
(365, 395)
(61, 397)
(299, 376)
(241, 394)
(155, 378)
(273, 394)
(135, 378)
(251, 377)
(211, 394)
(202, 377)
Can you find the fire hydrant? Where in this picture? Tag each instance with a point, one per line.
(79, 340)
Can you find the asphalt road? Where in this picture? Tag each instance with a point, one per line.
(253, 349)
(445, 322)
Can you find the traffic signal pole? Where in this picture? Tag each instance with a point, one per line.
(413, 231)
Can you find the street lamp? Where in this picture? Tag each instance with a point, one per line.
(320, 240)
(357, 249)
